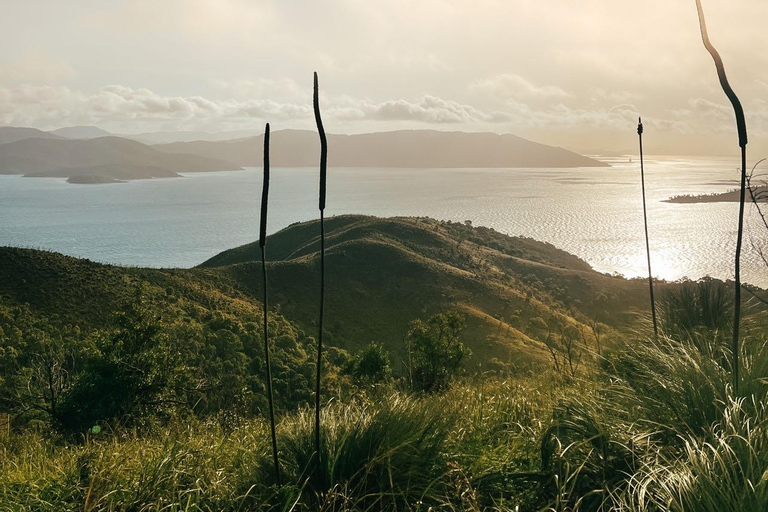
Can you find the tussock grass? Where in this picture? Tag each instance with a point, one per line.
(727, 471)
(372, 457)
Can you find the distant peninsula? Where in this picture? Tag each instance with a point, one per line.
(99, 160)
(731, 196)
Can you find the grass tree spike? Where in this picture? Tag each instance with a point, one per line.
(323, 143)
(645, 220)
(262, 245)
(741, 123)
(264, 191)
(741, 126)
(323, 165)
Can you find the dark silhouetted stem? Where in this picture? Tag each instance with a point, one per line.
(645, 220)
(262, 245)
(323, 165)
(741, 126)
(737, 272)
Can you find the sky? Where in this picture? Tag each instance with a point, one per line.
(571, 73)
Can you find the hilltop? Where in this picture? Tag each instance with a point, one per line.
(397, 149)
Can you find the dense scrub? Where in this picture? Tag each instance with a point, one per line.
(656, 428)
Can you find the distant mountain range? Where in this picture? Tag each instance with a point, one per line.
(102, 160)
(86, 154)
(81, 132)
(13, 134)
(398, 149)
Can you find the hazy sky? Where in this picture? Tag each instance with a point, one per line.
(574, 73)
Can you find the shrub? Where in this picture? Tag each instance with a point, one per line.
(436, 354)
(370, 366)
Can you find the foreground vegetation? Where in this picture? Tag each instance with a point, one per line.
(143, 390)
(656, 428)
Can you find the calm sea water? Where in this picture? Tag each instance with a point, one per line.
(593, 213)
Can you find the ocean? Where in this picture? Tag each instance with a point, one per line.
(595, 213)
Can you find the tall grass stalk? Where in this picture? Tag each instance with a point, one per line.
(741, 125)
(323, 165)
(262, 245)
(645, 220)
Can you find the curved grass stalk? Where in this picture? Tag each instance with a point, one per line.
(741, 126)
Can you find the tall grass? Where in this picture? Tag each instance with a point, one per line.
(728, 470)
(384, 457)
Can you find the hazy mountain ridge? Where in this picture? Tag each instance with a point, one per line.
(81, 154)
(14, 133)
(81, 132)
(123, 159)
(397, 149)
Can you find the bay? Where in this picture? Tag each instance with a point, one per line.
(595, 213)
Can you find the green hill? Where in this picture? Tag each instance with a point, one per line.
(382, 273)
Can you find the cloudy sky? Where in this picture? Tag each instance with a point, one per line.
(574, 73)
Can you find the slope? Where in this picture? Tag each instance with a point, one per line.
(382, 273)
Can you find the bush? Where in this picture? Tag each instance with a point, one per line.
(370, 366)
(435, 353)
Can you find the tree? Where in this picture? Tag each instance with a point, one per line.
(128, 374)
(435, 352)
(370, 366)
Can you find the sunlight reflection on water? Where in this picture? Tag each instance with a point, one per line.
(595, 213)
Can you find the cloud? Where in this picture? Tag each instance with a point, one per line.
(515, 87)
(130, 109)
(429, 109)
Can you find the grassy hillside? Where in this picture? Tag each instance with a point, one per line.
(382, 273)
(657, 426)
